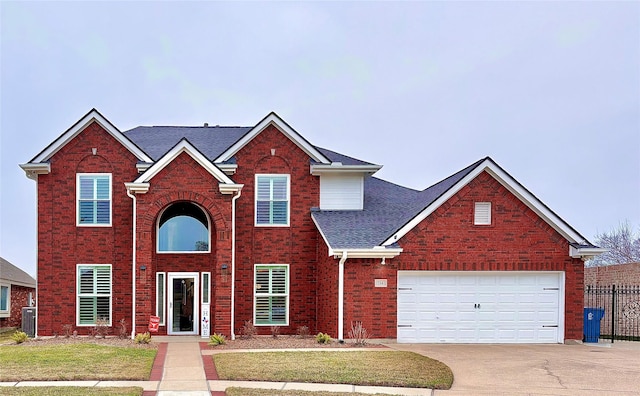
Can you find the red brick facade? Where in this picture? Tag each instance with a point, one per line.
(19, 299)
(447, 240)
(517, 239)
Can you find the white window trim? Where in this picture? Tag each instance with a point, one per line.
(78, 175)
(6, 313)
(181, 251)
(162, 314)
(78, 294)
(205, 299)
(255, 199)
(287, 294)
(482, 221)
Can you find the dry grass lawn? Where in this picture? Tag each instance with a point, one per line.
(69, 391)
(271, 392)
(74, 361)
(373, 368)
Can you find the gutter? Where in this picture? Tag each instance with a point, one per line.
(376, 252)
(233, 261)
(133, 267)
(341, 296)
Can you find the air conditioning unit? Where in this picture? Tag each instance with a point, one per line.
(29, 321)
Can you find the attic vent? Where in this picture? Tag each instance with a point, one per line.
(482, 213)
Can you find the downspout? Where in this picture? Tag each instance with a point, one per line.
(133, 269)
(341, 296)
(233, 262)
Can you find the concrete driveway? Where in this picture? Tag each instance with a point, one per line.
(537, 369)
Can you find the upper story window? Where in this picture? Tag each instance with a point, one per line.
(272, 200)
(94, 199)
(482, 213)
(183, 227)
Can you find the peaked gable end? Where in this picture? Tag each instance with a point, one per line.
(141, 184)
(513, 186)
(92, 116)
(273, 119)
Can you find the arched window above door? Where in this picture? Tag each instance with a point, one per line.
(183, 227)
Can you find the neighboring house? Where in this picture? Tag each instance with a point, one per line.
(17, 290)
(209, 227)
(617, 274)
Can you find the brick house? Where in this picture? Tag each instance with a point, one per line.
(17, 290)
(208, 227)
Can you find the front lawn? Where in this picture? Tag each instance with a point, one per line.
(369, 368)
(273, 392)
(75, 361)
(69, 391)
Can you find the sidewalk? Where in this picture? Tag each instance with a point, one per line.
(182, 369)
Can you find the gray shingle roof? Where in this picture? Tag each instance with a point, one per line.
(387, 208)
(15, 275)
(211, 141)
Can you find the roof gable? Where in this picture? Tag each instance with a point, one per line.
(15, 275)
(273, 119)
(92, 116)
(507, 181)
(183, 146)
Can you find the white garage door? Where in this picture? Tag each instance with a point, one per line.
(480, 307)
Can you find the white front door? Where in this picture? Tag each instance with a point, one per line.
(480, 307)
(183, 303)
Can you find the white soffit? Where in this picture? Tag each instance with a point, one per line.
(183, 147)
(275, 120)
(507, 182)
(79, 126)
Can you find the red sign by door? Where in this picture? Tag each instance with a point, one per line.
(154, 323)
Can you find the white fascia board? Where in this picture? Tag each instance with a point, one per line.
(319, 169)
(230, 188)
(586, 253)
(229, 169)
(275, 120)
(183, 147)
(143, 166)
(326, 242)
(375, 252)
(79, 126)
(507, 182)
(137, 188)
(33, 170)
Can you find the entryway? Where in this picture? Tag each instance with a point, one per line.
(183, 303)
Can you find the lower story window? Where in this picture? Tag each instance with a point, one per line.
(271, 295)
(5, 301)
(93, 294)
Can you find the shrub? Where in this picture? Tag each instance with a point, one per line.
(323, 338)
(19, 337)
(217, 339)
(123, 329)
(303, 332)
(67, 330)
(358, 334)
(275, 331)
(101, 329)
(248, 329)
(142, 338)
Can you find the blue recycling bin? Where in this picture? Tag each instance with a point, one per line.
(591, 326)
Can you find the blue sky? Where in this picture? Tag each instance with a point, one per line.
(549, 90)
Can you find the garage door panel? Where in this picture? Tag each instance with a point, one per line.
(479, 307)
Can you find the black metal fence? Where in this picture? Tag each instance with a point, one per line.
(621, 308)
